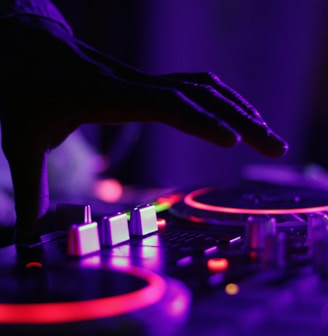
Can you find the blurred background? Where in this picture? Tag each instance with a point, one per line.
(274, 53)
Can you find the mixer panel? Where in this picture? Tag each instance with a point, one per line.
(251, 260)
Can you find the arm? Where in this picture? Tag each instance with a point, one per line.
(56, 83)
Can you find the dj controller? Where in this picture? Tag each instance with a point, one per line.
(238, 260)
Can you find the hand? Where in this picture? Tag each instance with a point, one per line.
(53, 83)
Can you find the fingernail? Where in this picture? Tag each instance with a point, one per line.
(278, 145)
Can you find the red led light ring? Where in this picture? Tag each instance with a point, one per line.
(64, 312)
(190, 201)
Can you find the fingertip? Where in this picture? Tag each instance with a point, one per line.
(274, 146)
(280, 151)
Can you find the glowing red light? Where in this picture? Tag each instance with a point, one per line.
(170, 199)
(109, 190)
(73, 311)
(161, 223)
(218, 264)
(195, 219)
(190, 201)
(34, 264)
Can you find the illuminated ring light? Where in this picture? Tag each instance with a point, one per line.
(65, 312)
(190, 201)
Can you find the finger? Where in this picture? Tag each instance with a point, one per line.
(254, 132)
(185, 115)
(214, 81)
(111, 100)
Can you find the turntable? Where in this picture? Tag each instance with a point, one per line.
(219, 205)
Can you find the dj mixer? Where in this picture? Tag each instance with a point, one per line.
(238, 260)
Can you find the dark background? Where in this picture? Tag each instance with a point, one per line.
(272, 52)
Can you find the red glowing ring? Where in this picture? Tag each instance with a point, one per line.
(64, 312)
(190, 201)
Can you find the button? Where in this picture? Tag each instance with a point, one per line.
(218, 264)
(184, 261)
(235, 240)
(83, 239)
(114, 230)
(143, 220)
(210, 250)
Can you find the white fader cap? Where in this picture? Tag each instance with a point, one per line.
(83, 238)
(143, 220)
(114, 230)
